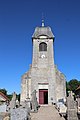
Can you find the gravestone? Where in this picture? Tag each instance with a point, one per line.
(34, 102)
(19, 114)
(13, 101)
(71, 107)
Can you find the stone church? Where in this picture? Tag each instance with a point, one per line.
(43, 75)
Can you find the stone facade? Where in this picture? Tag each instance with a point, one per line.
(43, 74)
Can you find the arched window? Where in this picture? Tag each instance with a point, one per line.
(43, 46)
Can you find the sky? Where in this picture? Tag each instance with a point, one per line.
(18, 19)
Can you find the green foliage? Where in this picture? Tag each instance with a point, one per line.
(18, 97)
(67, 88)
(72, 85)
(9, 96)
(4, 91)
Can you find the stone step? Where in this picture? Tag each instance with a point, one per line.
(46, 113)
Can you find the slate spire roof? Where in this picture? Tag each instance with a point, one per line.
(43, 30)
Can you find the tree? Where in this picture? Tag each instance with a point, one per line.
(67, 88)
(18, 97)
(72, 85)
(9, 96)
(4, 91)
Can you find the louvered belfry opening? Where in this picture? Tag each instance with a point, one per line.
(42, 46)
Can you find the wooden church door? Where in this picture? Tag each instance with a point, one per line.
(43, 96)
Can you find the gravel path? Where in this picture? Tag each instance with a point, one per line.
(46, 113)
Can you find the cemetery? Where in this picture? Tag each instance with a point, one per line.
(14, 111)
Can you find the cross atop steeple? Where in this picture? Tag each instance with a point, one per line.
(42, 20)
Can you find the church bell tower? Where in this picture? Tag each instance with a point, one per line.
(43, 71)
